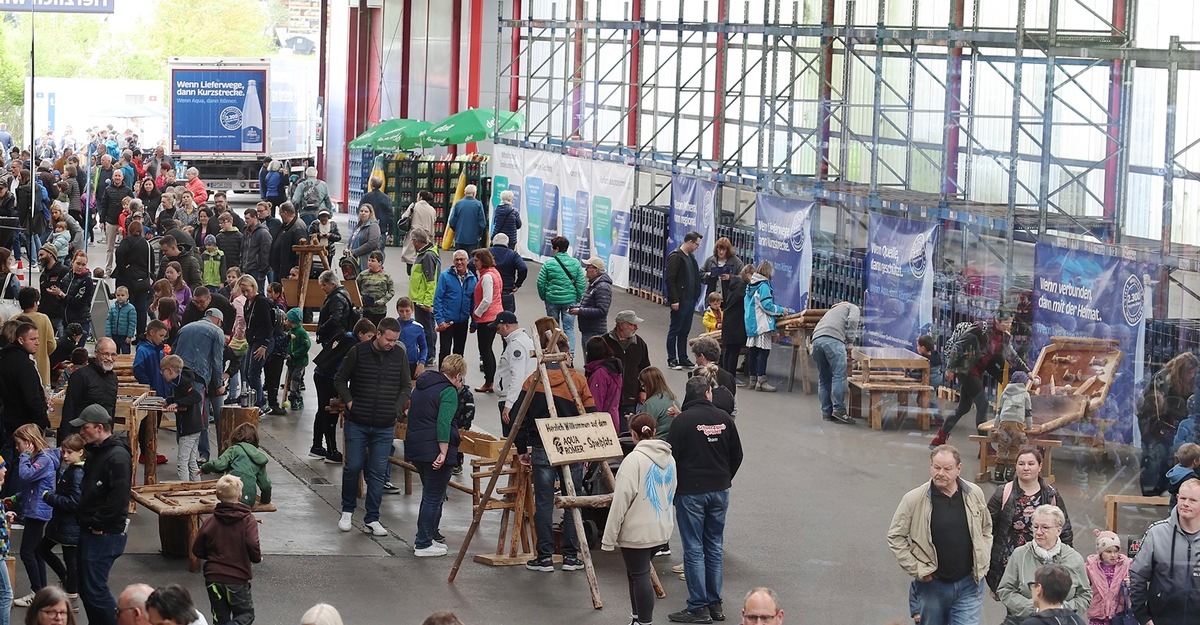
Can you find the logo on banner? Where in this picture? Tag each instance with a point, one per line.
(799, 229)
(231, 118)
(1133, 300)
(706, 212)
(916, 255)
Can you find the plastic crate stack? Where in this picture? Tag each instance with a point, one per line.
(648, 251)
(401, 186)
(359, 174)
(742, 238)
(837, 277)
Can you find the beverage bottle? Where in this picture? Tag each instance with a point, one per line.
(252, 120)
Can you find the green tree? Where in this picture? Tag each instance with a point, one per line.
(228, 29)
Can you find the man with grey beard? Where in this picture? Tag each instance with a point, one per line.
(95, 383)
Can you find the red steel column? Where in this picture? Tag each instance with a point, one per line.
(719, 89)
(455, 58)
(405, 56)
(635, 76)
(1116, 106)
(514, 82)
(474, 69)
(954, 103)
(354, 89)
(577, 76)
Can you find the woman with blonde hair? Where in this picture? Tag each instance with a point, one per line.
(761, 311)
(365, 237)
(321, 614)
(36, 469)
(432, 445)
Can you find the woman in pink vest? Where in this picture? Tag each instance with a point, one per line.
(483, 317)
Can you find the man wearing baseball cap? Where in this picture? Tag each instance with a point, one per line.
(593, 308)
(624, 343)
(517, 363)
(103, 510)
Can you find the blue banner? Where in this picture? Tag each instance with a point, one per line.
(58, 6)
(783, 235)
(217, 111)
(898, 306)
(1079, 293)
(693, 207)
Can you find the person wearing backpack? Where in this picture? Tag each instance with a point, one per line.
(973, 351)
(310, 196)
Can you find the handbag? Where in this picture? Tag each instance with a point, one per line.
(9, 308)
(1124, 615)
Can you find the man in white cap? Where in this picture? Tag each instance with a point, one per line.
(517, 363)
(624, 343)
(593, 308)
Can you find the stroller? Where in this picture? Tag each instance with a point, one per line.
(594, 483)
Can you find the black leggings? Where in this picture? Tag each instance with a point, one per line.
(487, 335)
(35, 566)
(729, 356)
(453, 340)
(272, 375)
(970, 393)
(66, 569)
(641, 591)
(324, 422)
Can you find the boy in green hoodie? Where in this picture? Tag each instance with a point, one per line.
(297, 356)
(245, 460)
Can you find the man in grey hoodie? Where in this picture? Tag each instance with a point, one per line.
(1165, 577)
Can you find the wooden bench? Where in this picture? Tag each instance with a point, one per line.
(179, 506)
(1113, 502)
(875, 391)
(987, 456)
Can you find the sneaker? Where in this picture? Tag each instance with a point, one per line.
(456, 471)
(663, 550)
(687, 616)
(375, 528)
(764, 386)
(390, 488)
(674, 364)
(438, 538)
(434, 550)
(841, 417)
(686, 364)
(827, 417)
(571, 563)
(678, 568)
(334, 457)
(24, 602)
(297, 405)
(276, 411)
(544, 564)
(939, 439)
(162, 459)
(717, 612)
(740, 383)
(317, 452)
(344, 523)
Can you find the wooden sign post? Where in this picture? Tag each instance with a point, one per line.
(568, 440)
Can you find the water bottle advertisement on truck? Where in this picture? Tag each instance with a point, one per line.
(218, 110)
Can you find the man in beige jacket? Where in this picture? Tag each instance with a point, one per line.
(942, 536)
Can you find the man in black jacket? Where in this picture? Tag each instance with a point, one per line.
(512, 270)
(336, 318)
(375, 384)
(110, 211)
(95, 383)
(103, 510)
(683, 289)
(625, 344)
(707, 451)
(54, 275)
(133, 270)
(22, 396)
(202, 300)
(291, 233)
(171, 251)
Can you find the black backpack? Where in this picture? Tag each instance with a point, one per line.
(465, 416)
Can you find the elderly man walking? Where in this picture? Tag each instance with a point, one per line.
(374, 383)
(941, 534)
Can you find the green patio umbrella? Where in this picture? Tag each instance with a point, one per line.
(374, 133)
(407, 137)
(475, 125)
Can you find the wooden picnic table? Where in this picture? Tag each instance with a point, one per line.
(179, 506)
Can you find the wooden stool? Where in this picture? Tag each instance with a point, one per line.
(875, 392)
(987, 456)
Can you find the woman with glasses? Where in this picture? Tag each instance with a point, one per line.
(50, 607)
(1016, 591)
(1012, 507)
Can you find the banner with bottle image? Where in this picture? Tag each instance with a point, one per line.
(218, 110)
(783, 236)
(898, 305)
(587, 201)
(1077, 292)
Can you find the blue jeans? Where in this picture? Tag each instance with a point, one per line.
(950, 603)
(543, 505)
(215, 403)
(6, 594)
(508, 302)
(701, 521)
(565, 320)
(433, 493)
(252, 377)
(367, 449)
(677, 333)
(584, 337)
(830, 355)
(97, 554)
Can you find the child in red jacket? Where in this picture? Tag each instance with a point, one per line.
(228, 543)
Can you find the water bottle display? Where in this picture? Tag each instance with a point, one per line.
(252, 120)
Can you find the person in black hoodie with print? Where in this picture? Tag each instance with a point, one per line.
(708, 452)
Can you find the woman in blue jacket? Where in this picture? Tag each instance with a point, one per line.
(36, 470)
(761, 312)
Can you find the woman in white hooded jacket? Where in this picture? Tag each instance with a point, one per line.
(642, 516)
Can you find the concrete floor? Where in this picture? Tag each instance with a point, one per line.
(808, 517)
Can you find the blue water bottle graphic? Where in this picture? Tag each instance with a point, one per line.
(252, 119)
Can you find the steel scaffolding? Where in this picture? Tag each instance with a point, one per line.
(1012, 117)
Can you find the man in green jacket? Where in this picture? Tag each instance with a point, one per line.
(422, 284)
(561, 284)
